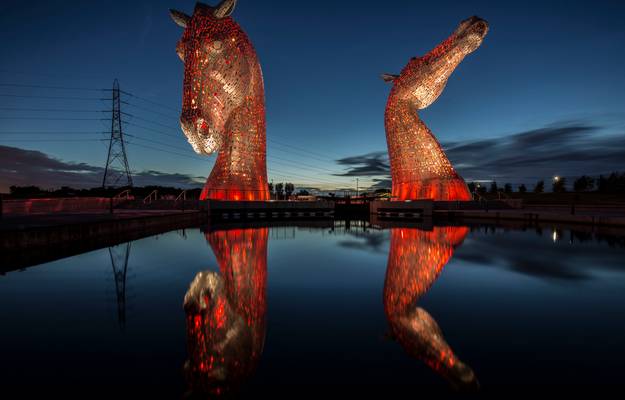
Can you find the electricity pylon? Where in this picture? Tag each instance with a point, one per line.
(117, 148)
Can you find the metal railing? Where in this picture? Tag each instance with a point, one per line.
(124, 195)
(182, 196)
(151, 197)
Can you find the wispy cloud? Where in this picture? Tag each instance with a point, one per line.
(567, 149)
(21, 167)
(371, 164)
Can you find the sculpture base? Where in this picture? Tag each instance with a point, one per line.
(234, 194)
(454, 189)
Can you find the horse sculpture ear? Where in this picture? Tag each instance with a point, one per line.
(181, 19)
(224, 9)
(389, 78)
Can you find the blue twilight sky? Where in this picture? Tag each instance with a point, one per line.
(544, 95)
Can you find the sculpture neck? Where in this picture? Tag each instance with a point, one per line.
(409, 139)
(419, 167)
(240, 171)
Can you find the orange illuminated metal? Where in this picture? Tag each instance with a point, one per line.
(223, 106)
(416, 258)
(226, 313)
(419, 167)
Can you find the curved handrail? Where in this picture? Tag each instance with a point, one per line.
(151, 197)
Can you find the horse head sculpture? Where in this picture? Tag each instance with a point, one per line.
(419, 167)
(223, 105)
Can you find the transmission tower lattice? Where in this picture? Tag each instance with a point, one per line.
(119, 261)
(117, 168)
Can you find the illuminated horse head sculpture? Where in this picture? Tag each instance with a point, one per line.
(419, 167)
(223, 106)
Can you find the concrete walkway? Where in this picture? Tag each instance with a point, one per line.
(35, 221)
(614, 217)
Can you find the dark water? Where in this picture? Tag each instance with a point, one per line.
(449, 308)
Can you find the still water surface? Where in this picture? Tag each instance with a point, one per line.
(205, 310)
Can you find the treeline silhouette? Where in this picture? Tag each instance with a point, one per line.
(284, 191)
(35, 192)
(613, 183)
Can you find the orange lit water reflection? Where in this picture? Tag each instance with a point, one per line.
(226, 312)
(416, 258)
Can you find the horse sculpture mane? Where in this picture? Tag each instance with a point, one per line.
(419, 167)
(223, 106)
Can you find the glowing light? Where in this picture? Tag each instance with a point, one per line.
(226, 313)
(419, 167)
(416, 258)
(223, 106)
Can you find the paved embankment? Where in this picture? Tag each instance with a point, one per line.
(585, 217)
(29, 240)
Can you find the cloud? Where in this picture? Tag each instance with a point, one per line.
(371, 241)
(568, 149)
(19, 167)
(371, 164)
(584, 261)
(565, 149)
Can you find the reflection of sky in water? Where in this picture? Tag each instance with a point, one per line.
(515, 306)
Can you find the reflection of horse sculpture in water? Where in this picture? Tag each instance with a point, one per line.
(223, 106)
(419, 167)
(226, 313)
(415, 260)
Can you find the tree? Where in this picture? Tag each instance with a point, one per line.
(472, 186)
(270, 188)
(614, 183)
(522, 188)
(540, 187)
(584, 184)
(26, 192)
(279, 191)
(559, 185)
(493, 187)
(289, 188)
(507, 188)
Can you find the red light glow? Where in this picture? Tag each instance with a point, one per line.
(223, 106)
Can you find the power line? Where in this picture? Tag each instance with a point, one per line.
(53, 97)
(52, 87)
(167, 151)
(154, 130)
(151, 101)
(325, 158)
(157, 142)
(53, 140)
(300, 164)
(49, 110)
(50, 119)
(50, 133)
(153, 122)
(151, 111)
(117, 147)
